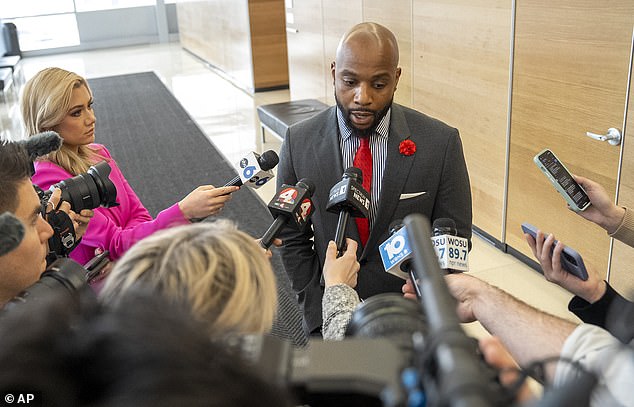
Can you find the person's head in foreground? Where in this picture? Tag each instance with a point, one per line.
(214, 269)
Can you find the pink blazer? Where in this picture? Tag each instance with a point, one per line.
(114, 229)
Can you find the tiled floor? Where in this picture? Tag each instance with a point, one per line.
(228, 117)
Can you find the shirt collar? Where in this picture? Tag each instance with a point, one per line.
(382, 130)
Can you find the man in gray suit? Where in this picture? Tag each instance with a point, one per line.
(416, 166)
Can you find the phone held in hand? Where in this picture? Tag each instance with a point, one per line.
(562, 180)
(571, 260)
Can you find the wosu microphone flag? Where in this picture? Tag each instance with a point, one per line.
(452, 250)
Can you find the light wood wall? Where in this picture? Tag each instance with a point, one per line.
(461, 76)
(621, 273)
(245, 39)
(514, 78)
(569, 78)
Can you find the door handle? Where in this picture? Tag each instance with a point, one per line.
(613, 136)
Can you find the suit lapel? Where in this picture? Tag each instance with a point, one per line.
(397, 169)
(328, 162)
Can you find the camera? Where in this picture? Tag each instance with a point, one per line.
(89, 190)
(64, 277)
(363, 369)
(85, 191)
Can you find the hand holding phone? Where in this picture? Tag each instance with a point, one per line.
(562, 180)
(571, 260)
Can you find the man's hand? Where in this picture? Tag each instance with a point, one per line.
(80, 220)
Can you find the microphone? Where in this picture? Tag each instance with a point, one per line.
(291, 206)
(254, 170)
(11, 232)
(452, 250)
(396, 254)
(348, 198)
(467, 385)
(41, 144)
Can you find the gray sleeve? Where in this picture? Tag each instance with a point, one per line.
(604, 355)
(338, 304)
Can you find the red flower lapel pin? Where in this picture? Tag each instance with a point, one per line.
(407, 147)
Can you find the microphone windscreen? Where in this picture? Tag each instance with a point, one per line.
(11, 232)
(354, 173)
(308, 185)
(268, 160)
(444, 226)
(41, 144)
(395, 225)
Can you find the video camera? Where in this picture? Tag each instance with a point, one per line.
(377, 364)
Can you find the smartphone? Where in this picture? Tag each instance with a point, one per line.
(571, 260)
(96, 264)
(560, 177)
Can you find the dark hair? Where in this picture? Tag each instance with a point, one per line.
(15, 167)
(143, 352)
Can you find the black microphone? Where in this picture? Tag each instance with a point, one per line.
(290, 206)
(444, 226)
(40, 144)
(254, 169)
(11, 232)
(348, 198)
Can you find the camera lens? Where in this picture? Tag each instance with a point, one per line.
(90, 190)
(388, 315)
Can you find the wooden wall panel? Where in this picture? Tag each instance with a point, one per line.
(339, 17)
(305, 41)
(461, 76)
(398, 18)
(621, 273)
(245, 39)
(268, 43)
(570, 77)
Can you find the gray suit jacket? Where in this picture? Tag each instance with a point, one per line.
(311, 150)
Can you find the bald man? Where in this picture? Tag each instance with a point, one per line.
(416, 165)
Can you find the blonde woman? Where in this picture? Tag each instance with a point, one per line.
(59, 100)
(217, 270)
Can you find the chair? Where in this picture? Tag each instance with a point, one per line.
(278, 117)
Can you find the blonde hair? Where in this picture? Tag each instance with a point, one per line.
(214, 269)
(45, 103)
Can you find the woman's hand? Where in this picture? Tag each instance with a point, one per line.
(603, 211)
(342, 270)
(590, 290)
(206, 200)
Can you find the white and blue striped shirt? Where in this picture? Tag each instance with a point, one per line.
(378, 147)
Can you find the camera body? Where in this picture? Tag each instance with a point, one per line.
(84, 191)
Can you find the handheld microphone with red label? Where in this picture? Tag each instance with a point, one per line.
(452, 250)
(290, 206)
(348, 198)
(254, 170)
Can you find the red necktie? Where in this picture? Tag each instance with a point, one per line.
(363, 161)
